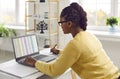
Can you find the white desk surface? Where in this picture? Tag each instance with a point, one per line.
(13, 68)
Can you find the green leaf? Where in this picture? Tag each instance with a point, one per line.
(111, 21)
(6, 32)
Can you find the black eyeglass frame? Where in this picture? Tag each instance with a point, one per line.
(60, 22)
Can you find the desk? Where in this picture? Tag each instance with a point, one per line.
(14, 70)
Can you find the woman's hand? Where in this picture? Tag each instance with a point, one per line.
(54, 51)
(30, 61)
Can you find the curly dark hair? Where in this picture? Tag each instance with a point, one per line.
(76, 14)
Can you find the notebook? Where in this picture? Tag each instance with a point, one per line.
(27, 45)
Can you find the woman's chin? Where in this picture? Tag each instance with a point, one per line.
(65, 33)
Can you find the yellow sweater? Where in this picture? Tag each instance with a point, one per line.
(85, 55)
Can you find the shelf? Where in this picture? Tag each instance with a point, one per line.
(43, 15)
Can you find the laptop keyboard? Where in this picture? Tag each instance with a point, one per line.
(45, 58)
(49, 58)
(40, 56)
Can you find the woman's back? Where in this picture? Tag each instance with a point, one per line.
(93, 62)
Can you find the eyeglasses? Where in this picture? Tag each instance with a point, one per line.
(60, 22)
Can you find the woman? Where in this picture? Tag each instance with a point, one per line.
(84, 53)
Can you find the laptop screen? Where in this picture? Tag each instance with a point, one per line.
(25, 45)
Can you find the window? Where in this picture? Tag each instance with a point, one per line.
(119, 8)
(12, 12)
(99, 10)
(21, 12)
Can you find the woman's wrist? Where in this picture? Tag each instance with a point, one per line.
(34, 62)
(58, 51)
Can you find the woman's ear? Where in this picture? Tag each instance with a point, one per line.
(70, 23)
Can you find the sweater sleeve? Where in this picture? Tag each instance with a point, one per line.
(66, 59)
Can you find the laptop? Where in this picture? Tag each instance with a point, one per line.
(27, 45)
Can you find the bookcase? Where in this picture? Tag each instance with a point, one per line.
(41, 18)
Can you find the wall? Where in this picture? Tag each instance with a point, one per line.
(111, 44)
(112, 49)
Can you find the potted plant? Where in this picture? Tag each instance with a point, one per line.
(112, 22)
(6, 32)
